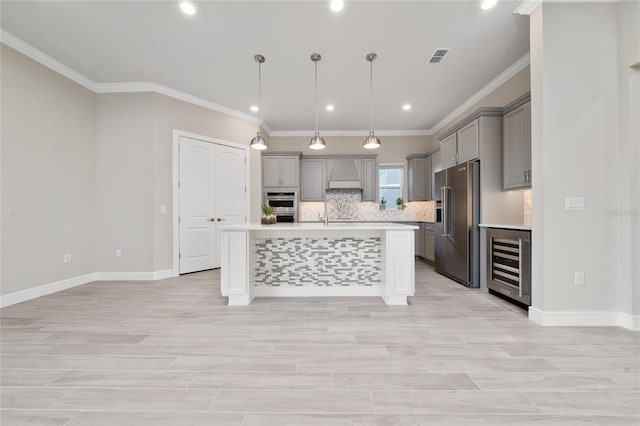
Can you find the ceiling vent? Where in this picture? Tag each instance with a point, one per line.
(438, 56)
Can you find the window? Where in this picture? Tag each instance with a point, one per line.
(390, 181)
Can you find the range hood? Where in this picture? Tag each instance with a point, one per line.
(344, 174)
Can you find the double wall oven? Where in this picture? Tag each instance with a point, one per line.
(284, 205)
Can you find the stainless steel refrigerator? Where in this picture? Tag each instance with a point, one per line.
(457, 196)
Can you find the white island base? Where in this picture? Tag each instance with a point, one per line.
(313, 260)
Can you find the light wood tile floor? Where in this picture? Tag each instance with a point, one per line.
(172, 353)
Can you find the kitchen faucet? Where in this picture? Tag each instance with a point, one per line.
(326, 212)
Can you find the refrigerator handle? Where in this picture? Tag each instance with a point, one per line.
(445, 211)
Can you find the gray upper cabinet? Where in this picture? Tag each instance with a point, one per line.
(318, 171)
(428, 178)
(280, 170)
(449, 151)
(313, 179)
(468, 138)
(462, 145)
(517, 147)
(436, 166)
(369, 179)
(417, 180)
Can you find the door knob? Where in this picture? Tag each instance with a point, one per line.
(220, 219)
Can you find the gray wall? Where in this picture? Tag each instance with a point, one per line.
(48, 175)
(125, 173)
(86, 174)
(134, 142)
(174, 114)
(580, 148)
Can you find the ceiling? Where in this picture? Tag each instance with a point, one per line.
(210, 55)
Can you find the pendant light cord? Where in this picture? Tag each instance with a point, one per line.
(316, 67)
(259, 95)
(371, 95)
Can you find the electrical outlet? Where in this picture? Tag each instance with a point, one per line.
(118, 252)
(574, 204)
(67, 258)
(578, 278)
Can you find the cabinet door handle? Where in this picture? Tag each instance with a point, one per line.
(220, 219)
(211, 219)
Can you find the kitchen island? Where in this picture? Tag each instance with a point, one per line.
(314, 260)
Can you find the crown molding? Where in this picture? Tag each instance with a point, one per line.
(123, 87)
(149, 86)
(527, 7)
(137, 87)
(39, 56)
(333, 133)
(515, 68)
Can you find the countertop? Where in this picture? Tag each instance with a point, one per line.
(317, 226)
(371, 221)
(494, 225)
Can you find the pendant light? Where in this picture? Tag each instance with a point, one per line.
(371, 142)
(316, 141)
(259, 141)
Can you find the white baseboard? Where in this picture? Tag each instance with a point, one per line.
(135, 276)
(43, 290)
(317, 291)
(585, 318)
(631, 322)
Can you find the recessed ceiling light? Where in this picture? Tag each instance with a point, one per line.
(330, 107)
(488, 4)
(336, 5)
(187, 8)
(254, 108)
(406, 107)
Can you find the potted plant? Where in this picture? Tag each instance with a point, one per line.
(268, 218)
(383, 203)
(400, 204)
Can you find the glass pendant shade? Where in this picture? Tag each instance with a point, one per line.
(371, 142)
(317, 142)
(259, 142)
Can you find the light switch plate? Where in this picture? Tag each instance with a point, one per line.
(578, 278)
(163, 209)
(574, 204)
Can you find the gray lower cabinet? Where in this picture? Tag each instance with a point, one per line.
(517, 147)
(313, 179)
(430, 242)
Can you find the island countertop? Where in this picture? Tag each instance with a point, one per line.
(333, 226)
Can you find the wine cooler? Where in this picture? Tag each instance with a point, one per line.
(509, 263)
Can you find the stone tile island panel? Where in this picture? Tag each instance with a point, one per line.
(317, 261)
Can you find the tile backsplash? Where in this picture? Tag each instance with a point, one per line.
(527, 207)
(353, 208)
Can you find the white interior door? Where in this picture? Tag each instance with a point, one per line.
(212, 194)
(197, 181)
(231, 191)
